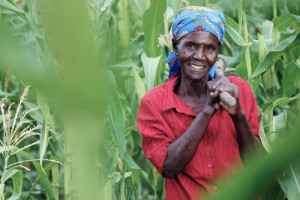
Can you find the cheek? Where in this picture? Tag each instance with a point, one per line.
(212, 58)
(183, 56)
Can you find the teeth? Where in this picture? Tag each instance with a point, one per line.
(197, 66)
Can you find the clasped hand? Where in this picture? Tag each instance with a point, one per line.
(222, 84)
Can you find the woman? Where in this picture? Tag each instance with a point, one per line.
(189, 134)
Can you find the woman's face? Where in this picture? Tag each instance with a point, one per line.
(197, 52)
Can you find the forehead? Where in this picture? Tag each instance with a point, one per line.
(200, 37)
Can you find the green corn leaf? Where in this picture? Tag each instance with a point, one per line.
(270, 107)
(55, 144)
(38, 167)
(17, 178)
(133, 166)
(174, 5)
(150, 68)
(120, 66)
(128, 186)
(262, 47)
(232, 29)
(7, 174)
(241, 69)
(291, 79)
(293, 6)
(2, 187)
(44, 106)
(139, 85)
(282, 22)
(43, 141)
(12, 97)
(153, 27)
(50, 166)
(275, 53)
(268, 77)
(151, 179)
(42, 174)
(55, 178)
(263, 137)
(36, 114)
(115, 113)
(6, 4)
(159, 190)
(123, 24)
(261, 170)
(289, 181)
(130, 162)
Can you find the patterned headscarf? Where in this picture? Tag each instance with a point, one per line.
(191, 19)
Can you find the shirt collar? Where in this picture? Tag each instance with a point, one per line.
(172, 101)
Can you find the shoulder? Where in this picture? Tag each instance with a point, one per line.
(237, 80)
(241, 83)
(155, 95)
(160, 93)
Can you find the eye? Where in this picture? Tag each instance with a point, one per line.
(191, 46)
(210, 48)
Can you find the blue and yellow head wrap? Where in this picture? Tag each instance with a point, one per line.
(191, 19)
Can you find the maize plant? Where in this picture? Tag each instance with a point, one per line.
(90, 62)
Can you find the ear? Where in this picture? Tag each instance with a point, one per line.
(174, 44)
(219, 46)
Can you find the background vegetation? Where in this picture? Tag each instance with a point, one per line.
(90, 62)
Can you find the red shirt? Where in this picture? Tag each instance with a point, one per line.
(163, 117)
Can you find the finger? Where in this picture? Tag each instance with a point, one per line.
(215, 82)
(224, 106)
(213, 96)
(218, 81)
(227, 87)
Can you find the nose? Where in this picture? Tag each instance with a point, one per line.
(199, 54)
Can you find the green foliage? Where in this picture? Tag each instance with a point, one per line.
(90, 63)
(153, 27)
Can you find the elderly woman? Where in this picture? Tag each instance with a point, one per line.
(190, 135)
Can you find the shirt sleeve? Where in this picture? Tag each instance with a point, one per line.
(155, 142)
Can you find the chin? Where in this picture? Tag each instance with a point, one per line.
(195, 77)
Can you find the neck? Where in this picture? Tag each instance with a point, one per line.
(192, 88)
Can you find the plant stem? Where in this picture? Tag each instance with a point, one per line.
(270, 127)
(206, 3)
(274, 42)
(67, 163)
(240, 15)
(248, 58)
(2, 186)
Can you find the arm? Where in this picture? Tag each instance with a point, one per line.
(245, 137)
(181, 151)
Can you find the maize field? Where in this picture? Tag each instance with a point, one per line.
(73, 72)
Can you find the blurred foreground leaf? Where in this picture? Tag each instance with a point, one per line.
(10, 6)
(153, 26)
(261, 169)
(115, 113)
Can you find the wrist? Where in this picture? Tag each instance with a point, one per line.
(209, 110)
(238, 115)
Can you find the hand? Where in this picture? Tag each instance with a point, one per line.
(222, 84)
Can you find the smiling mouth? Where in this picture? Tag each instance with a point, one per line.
(197, 66)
